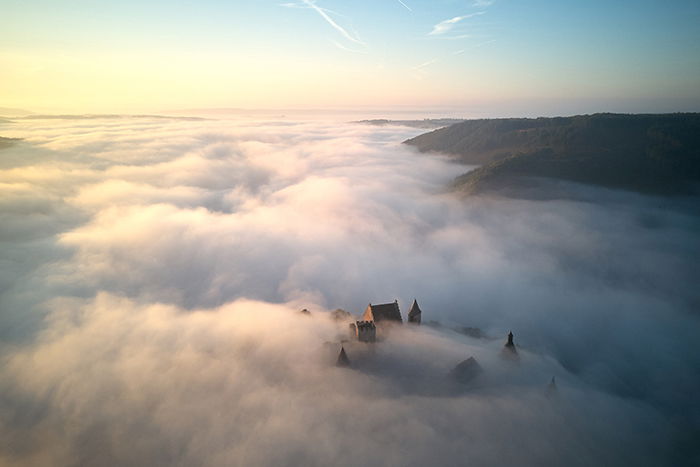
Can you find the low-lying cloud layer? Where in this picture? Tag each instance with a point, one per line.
(152, 271)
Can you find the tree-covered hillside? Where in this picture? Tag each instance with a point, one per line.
(647, 153)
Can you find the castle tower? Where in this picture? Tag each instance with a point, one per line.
(414, 313)
(509, 350)
(365, 331)
(510, 345)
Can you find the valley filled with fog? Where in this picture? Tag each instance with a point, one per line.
(153, 270)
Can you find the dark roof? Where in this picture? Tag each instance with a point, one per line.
(466, 370)
(414, 312)
(382, 312)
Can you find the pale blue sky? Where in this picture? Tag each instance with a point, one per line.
(636, 55)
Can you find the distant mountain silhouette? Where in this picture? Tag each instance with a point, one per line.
(7, 142)
(647, 153)
(12, 112)
(104, 116)
(427, 123)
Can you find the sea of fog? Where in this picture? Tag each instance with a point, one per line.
(153, 269)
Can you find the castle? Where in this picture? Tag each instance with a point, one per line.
(365, 330)
(383, 316)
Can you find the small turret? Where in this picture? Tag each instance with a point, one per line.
(414, 314)
(509, 350)
(343, 360)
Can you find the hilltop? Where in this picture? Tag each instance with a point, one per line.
(648, 153)
(7, 142)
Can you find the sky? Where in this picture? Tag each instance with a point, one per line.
(461, 57)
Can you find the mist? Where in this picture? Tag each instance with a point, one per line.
(153, 271)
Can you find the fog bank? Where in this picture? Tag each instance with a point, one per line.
(153, 269)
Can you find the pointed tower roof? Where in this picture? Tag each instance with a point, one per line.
(510, 345)
(414, 313)
(508, 351)
(343, 360)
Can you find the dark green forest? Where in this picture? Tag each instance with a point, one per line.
(657, 154)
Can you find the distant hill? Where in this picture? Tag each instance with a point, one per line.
(12, 112)
(425, 123)
(646, 153)
(7, 142)
(104, 117)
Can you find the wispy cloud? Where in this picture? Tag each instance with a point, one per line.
(460, 36)
(447, 25)
(348, 49)
(481, 44)
(405, 6)
(475, 46)
(344, 32)
(425, 64)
